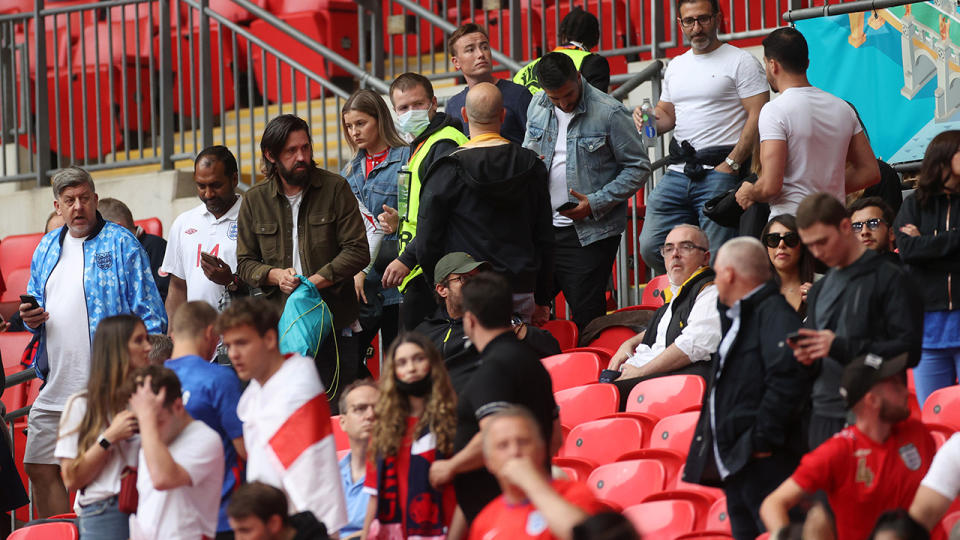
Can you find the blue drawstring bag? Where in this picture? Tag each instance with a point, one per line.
(306, 321)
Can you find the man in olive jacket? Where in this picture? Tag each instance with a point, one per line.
(303, 220)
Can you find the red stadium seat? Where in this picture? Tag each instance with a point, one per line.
(943, 407)
(16, 251)
(12, 345)
(343, 443)
(717, 517)
(150, 225)
(604, 353)
(15, 284)
(701, 502)
(565, 332)
(603, 441)
(940, 433)
(713, 493)
(669, 443)
(626, 483)
(662, 519)
(68, 515)
(186, 78)
(101, 134)
(946, 524)
(653, 291)
(668, 395)
(568, 370)
(584, 403)
(60, 530)
(613, 337)
(704, 535)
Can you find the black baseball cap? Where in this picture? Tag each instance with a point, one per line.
(867, 370)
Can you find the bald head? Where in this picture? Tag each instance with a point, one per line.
(484, 106)
(741, 266)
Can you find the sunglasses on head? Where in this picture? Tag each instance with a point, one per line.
(772, 240)
(871, 224)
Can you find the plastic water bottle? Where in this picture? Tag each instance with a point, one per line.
(649, 130)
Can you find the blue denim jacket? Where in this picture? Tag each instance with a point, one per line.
(606, 160)
(380, 187)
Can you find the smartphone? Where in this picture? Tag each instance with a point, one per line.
(609, 375)
(566, 206)
(794, 337)
(29, 299)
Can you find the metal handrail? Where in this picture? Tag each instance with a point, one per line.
(634, 80)
(20, 377)
(856, 6)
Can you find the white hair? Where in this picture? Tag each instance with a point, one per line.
(748, 258)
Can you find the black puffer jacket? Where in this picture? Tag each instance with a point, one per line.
(933, 258)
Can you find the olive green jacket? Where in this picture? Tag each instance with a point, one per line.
(331, 239)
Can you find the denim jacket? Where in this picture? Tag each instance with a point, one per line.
(116, 279)
(380, 187)
(606, 160)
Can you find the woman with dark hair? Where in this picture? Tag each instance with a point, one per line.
(378, 155)
(929, 243)
(97, 442)
(898, 525)
(792, 264)
(416, 422)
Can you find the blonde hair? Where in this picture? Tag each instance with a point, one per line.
(370, 103)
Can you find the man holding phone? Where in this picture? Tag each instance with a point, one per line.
(80, 274)
(201, 253)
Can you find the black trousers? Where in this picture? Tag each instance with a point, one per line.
(582, 273)
(746, 490)
(338, 364)
(418, 303)
(822, 428)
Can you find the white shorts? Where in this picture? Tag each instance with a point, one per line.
(42, 427)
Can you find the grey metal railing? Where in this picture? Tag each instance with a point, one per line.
(21, 377)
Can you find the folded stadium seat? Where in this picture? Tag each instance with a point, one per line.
(603, 353)
(572, 474)
(653, 292)
(701, 502)
(613, 337)
(312, 25)
(497, 22)
(150, 225)
(668, 395)
(601, 441)
(61, 530)
(419, 36)
(186, 74)
(339, 436)
(584, 403)
(662, 519)
(16, 6)
(610, 38)
(16, 251)
(101, 134)
(15, 284)
(560, 306)
(564, 331)
(626, 483)
(568, 370)
(943, 407)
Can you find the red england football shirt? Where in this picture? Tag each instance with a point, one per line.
(863, 478)
(500, 520)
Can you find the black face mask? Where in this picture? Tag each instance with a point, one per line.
(417, 389)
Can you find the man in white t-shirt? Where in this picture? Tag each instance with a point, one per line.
(712, 96)
(180, 470)
(940, 486)
(201, 255)
(810, 141)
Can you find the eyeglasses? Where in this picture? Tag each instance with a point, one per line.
(772, 240)
(704, 20)
(872, 224)
(462, 279)
(683, 248)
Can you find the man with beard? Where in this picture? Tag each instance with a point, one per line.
(304, 221)
(201, 256)
(870, 467)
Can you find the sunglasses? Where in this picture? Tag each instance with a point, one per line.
(872, 224)
(772, 240)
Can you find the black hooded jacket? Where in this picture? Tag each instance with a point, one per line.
(492, 202)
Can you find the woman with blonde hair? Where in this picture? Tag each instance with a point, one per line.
(97, 444)
(416, 422)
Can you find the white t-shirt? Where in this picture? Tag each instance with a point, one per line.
(698, 340)
(122, 453)
(186, 512)
(818, 127)
(295, 201)
(706, 89)
(559, 191)
(68, 343)
(198, 230)
(944, 474)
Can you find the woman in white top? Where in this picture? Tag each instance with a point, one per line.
(97, 440)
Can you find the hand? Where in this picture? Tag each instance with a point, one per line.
(441, 473)
(389, 220)
(630, 372)
(812, 345)
(319, 281)
(4, 326)
(33, 317)
(541, 314)
(804, 289)
(910, 230)
(623, 353)
(217, 271)
(285, 278)
(123, 426)
(724, 168)
(521, 472)
(581, 210)
(144, 403)
(394, 274)
(358, 286)
(638, 119)
(745, 196)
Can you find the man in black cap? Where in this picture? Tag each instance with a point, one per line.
(870, 467)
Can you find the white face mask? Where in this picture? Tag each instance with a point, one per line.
(413, 122)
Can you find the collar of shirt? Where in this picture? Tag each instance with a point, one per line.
(230, 215)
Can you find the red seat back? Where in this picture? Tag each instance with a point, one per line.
(60, 530)
(339, 436)
(943, 407)
(662, 519)
(150, 225)
(565, 332)
(584, 403)
(603, 441)
(626, 483)
(653, 291)
(15, 284)
(568, 370)
(675, 432)
(664, 396)
(717, 517)
(613, 337)
(16, 251)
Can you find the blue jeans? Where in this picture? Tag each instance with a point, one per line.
(675, 200)
(104, 520)
(938, 368)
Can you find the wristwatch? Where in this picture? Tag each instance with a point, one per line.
(104, 443)
(732, 164)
